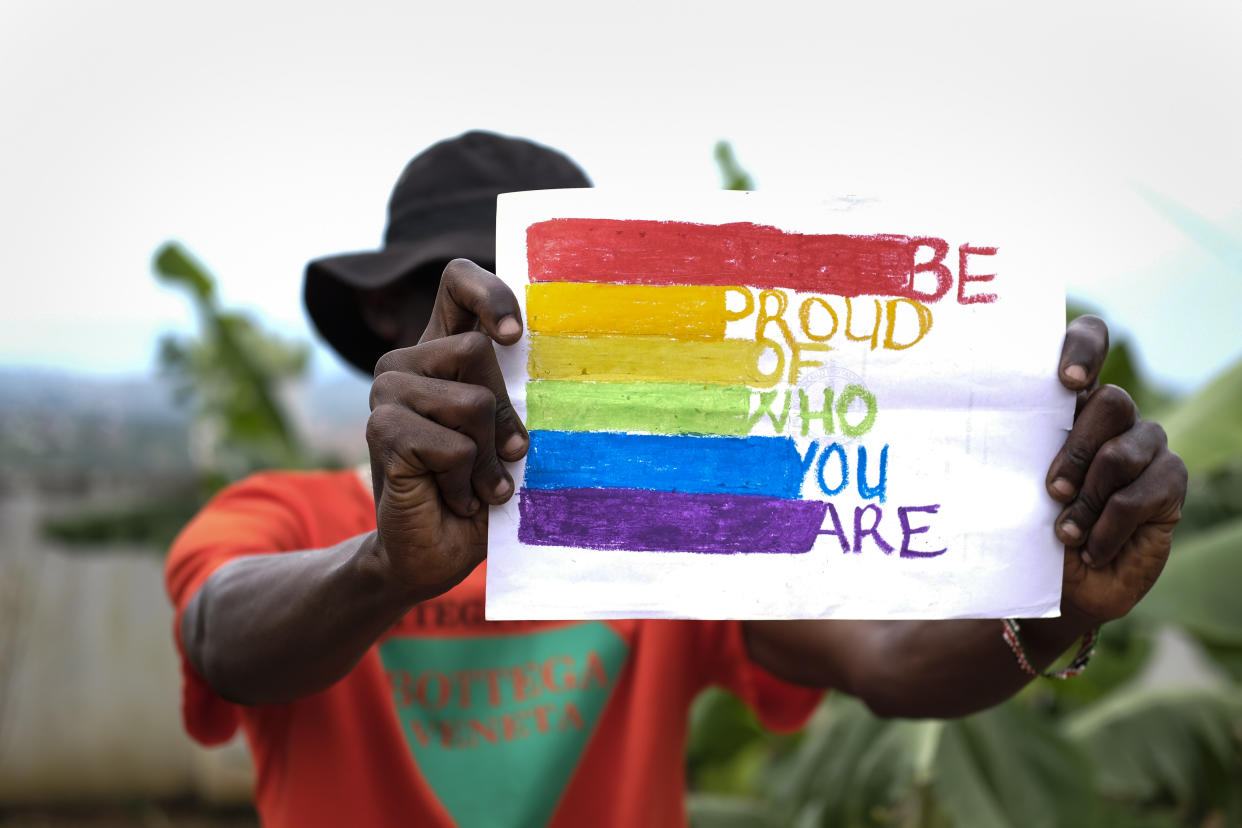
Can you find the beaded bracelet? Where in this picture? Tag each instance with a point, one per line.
(1077, 664)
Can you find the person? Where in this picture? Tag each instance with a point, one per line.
(340, 622)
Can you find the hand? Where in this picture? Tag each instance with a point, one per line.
(1122, 488)
(441, 423)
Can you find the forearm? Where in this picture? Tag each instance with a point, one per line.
(266, 629)
(911, 669)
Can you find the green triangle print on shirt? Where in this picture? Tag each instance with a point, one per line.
(497, 724)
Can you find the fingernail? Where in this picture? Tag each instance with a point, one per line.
(503, 488)
(1076, 373)
(1071, 530)
(1086, 558)
(508, 327)
(514, 444)
(474, 505)
(1063, 487)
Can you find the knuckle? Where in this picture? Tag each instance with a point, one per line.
(1116, 402)
(474, 345)
(1153, 433)
(1127, 503)
(458, 275)
(459, 450)
(386, 363)
(1114, 455)
(479, 402)
(1121, 460)
(1178, 474)
(385, 388)
(381, 423)
(448, 452)
(399, 360)
(1179, 467)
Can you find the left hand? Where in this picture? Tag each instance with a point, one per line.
(1122, 488)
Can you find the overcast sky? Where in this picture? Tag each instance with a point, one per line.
(264, 135)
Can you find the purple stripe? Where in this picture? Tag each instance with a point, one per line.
(643, 520)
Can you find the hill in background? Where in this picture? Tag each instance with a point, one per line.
(70, 433)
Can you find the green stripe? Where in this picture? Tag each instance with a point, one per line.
(653, 407)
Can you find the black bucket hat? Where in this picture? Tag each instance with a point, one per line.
(442, 207)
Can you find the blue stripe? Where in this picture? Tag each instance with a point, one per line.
(767, 466)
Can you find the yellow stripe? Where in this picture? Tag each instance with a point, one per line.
(651, 359)
(677, 312)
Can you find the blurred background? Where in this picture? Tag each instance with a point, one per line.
(167, 172)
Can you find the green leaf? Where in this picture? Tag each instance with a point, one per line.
(174, 264)
(1205, 429)
(733, 176)
(231, 373)
(850, 768)
(1212, 498)
(1226, 657)
(1167, 744)
(1198, 589)
(1007, 767)
(721, 754)
(1118, 815)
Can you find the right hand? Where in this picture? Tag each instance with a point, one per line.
(441, 423)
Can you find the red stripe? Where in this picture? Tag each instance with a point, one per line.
(683, 253)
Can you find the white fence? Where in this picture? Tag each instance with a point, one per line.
(89, 683)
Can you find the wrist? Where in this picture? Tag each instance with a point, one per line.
(1049, 637)
(1043, 640)
(378, 577)
(1033, 665)
(1075, 621)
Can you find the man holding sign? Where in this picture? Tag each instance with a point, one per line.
(342, 624)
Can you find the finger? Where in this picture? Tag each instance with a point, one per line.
(1083, 353)
(468, 409)
(1108, 412)
(406, 446)
(1155, 493)
(470, 298)
(1116, 465)
(469, 358)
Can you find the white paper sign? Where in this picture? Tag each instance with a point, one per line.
(743, 407)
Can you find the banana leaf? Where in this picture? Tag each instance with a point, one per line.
(1206, 429)
(1198, 589)
(1176, 747)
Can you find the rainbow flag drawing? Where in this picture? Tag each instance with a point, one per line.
(639, 408)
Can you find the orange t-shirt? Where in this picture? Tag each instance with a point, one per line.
(453, 720)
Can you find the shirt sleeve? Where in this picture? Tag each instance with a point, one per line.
(260, 515)
(779, 705)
